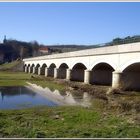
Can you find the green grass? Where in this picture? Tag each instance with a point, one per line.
(70, 122)
(13, 78)
(20, 79)
(9, 66)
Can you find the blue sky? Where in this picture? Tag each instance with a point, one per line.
(69, 22)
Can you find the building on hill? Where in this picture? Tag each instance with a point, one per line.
(44, 50)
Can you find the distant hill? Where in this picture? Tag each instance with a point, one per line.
(126, 40)
(116, 41)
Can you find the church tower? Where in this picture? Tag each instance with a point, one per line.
(4, 40)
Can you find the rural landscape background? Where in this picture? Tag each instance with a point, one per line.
(27, 100)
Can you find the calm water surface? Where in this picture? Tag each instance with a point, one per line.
(21, 97)
(25, 97)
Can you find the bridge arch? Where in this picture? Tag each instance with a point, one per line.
(101, 74)
(52, 66)
(128, 63)
(28, 67)
(63, 65)
(62, 71)
(77, 73)
(37, 68)
(78, 62)
(131, 76)
(109, 62)
(31, 68)
(42, 69)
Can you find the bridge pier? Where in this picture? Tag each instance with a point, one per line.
(68, 74)
(33, 70)
(26, 69)
(39, 70)
(29, 69)
(46, 72)
(87, 76)
(116, 79)
(56, 70)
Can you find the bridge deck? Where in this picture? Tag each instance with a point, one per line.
(125, 48)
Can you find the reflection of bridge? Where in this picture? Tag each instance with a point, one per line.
(113, 65)
(66, 98)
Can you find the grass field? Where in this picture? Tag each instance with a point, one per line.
(8, 66)
(68, 122)
(97, 121)
(20, 79)
(13, 78)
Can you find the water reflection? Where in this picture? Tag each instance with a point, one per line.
(61, 98)
(14, 91)
(33, 95)
(21, 97)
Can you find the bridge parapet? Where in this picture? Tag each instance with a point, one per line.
(125, 48)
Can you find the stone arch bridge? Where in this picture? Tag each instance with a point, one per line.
(113, 65)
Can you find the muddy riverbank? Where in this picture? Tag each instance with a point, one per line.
(116, 99)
